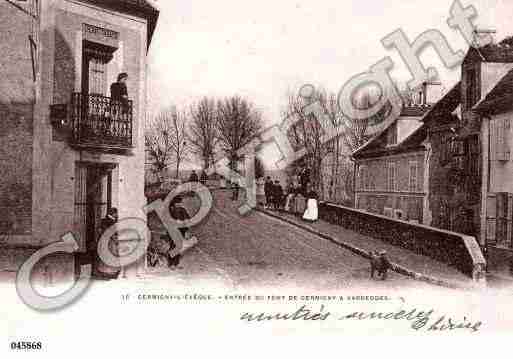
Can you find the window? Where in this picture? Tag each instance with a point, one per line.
(458, 153)
(94, 70)
(363, 178)
(391, 177)
(392, 135)
(413, 176)
(500, 138)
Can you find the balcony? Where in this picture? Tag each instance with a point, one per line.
(101, 124)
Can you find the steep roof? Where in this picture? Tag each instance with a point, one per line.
(446, 105)
(500, 52)
(440, 112)
(499, 99)
(377, 144)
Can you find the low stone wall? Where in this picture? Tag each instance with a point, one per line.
(452, 248)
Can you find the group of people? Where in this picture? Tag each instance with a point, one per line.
(296, 199)
(159, 250)
(194, 177)
(274, 195)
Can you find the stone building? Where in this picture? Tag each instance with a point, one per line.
(390, 168)
(488, 115)
(68, 152)
(464, 145)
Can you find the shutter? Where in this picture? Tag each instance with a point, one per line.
(413, 178)
(509, 221)
(500, 133)
(493, 141)
(80, 216)
(396, 177)
(501, 222)
(505, 138)
(491, 219)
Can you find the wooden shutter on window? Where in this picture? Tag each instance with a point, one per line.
(500, 138)
(413, 176)
(491, 219)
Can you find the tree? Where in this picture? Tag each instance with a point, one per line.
(166, 140)
(307, 133)
(259, 168)
(237, 123)
(179, 145)
(203, 135)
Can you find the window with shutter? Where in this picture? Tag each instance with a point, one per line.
(365, 178)
(391, 177)
(500, 135)
(506, 137)
(413, 176)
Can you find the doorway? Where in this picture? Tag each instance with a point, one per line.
(93, 197)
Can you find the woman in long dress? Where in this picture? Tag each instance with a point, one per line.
(312, 212)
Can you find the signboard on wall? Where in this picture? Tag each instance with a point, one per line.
(100, 35)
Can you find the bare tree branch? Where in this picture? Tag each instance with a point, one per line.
(166, 140)
(203, 134)
(237, 122)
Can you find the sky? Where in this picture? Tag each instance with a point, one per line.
(265, 49)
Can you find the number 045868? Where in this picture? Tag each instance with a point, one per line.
(26, 345)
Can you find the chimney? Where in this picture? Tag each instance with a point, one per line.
(483, 37)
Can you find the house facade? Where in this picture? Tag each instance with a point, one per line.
(489, 116)
(390, 169)
(461, 153)
(69, 151)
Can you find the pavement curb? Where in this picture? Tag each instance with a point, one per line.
(363, 253)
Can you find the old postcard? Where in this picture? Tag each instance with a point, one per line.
(227, 177)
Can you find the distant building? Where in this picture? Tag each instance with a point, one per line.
(68, 152)
(390, 168)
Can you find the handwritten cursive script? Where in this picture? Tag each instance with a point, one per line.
(418, 319)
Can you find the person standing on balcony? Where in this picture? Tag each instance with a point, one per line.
(119, 91)
(119, 101)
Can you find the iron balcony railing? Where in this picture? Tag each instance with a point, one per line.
(98, 121)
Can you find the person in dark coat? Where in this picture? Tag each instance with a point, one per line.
(304, 180)
(107, 222)
(193, 177)
(268, 188)
(119, 91)
(277, 195)
(235, 190)
(177, 212)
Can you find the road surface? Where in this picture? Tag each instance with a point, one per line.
(259, 251)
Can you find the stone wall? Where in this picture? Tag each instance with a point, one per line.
(451, 248)
(16, 122)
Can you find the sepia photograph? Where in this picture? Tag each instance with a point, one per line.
(259, 179)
